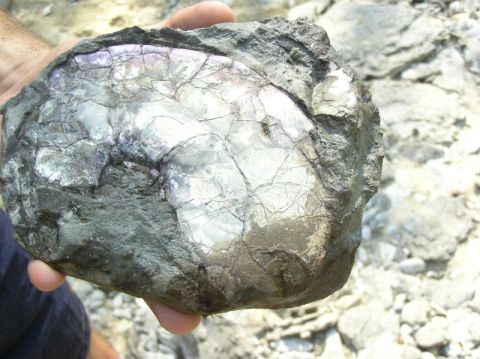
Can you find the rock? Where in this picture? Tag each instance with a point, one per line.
(427, 355)
(464, 328)
(468, 30)
(418, 112)
(381, 39)
(399, 302)
(446, 70)
(363, 324)
(416, 312)
(186, 176)
(293, 344)
(387, 349)
(412, 265)
(333, 345)
(406, 335)
(95, 300)
(387, 252)
(421, 231)
(450, 294)
(433, 334)
(420, 152)
(229, 341)
(311, 9)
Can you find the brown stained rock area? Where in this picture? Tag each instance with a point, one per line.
(211, 170)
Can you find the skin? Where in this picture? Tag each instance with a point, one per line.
(23, 55)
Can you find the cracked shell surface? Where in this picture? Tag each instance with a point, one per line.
(211, 170)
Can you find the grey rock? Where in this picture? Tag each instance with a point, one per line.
(450, 294)
(468, 30)
(420, 152)
(389, 349)
(446, 70)
(433, 334)
(464, 328)
(310, 9)
(424, 235)
(293, 344)
(412, 265)
(333, 348)
(406, 332)
(419, 112)
(365, 323)
(214, 169)
(381, 39)
(427, 355)
(416, 312)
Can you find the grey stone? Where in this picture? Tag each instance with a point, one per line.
(381, 39)
(412, 265)
(333, 345)
(388, 349)
(450, 294)
(468, 30)
(424, 235)
(464, 328)
(433, 334)
(365, 323)
(416, 312)
(418, 112)
(310, 9)
(420, 152)
(214, 169)
(427, 355)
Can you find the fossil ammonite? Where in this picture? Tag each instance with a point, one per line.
(211, 170)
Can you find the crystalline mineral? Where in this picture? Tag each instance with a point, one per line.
(214, 169)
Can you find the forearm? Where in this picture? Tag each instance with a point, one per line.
(19, 48)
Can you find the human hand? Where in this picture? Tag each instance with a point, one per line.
(41, 275)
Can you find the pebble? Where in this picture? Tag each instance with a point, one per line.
(415, 312)
(427, 355)
(406, 335)
(47, 10)
(412, 265)
(433, 334)
(364, 323)
(399, 302)
(333, 345)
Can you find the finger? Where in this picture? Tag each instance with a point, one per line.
(174, 321)
(30, 70)
(204, 14)
(44, 277)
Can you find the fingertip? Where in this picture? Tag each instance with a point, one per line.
(174, 321)
(217, 10)
(43, 277)
(204, 14)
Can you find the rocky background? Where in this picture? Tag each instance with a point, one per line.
(415, 288)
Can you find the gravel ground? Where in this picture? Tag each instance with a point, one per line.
(415, 288)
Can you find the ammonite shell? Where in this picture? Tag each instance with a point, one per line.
(211, 170)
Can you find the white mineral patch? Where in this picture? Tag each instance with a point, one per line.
(334, 96)
(95, 118)
(234, 151)
(78, 165)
